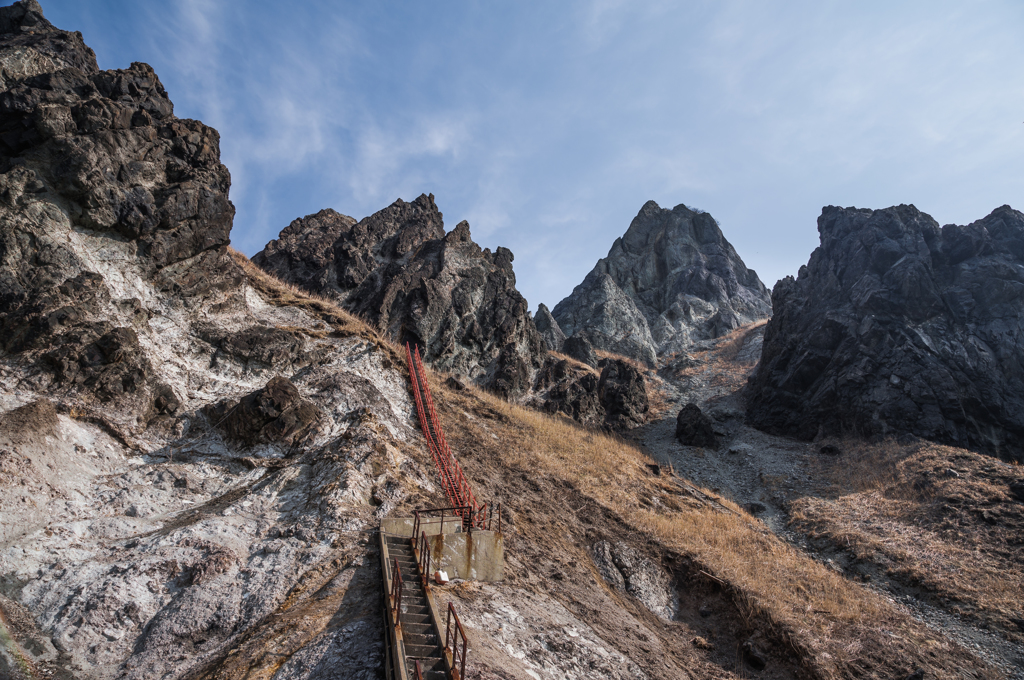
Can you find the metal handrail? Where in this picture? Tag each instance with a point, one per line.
(453, 479)
(419, 671)
(396, 591)
(451, 643)
(424, 561)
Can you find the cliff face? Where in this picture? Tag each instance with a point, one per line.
(96, 173)
(670, 280)
(155, 462)
(898, 325)
(402, 272)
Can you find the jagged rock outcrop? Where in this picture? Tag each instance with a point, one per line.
(579, 348)
(671, 279)
(899, 325)
(401, 271)
(614, 399)
(97, 156)
(277, 412)
(146, 542)
(307, 249)
(571, 390)
(623, 393)
(548, 328)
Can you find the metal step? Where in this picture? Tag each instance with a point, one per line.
(414, 618)
(432, 668)
(428, 640)
(421, 651)
(419, 628)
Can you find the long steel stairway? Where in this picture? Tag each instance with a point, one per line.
(422, 640)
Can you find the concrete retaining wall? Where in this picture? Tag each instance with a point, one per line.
(479, 556)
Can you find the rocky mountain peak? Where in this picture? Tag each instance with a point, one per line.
(399, 269)
(897, 325)
(671, 279)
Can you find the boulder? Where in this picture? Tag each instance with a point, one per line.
(670, 280)
(623, 393)
(897, 325)
(579, 348)
(695, 428)
(276, 413)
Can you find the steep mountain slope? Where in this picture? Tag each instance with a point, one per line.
(671, 279)
(398, 269)
(897, 325)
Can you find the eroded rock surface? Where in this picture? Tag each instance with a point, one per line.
(626, 569)
(670, 280)
(623, 393)
(897, 325)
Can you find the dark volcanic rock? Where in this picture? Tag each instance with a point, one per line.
(275, 413)
(305, 251)
(548, 328)
(579, 348)
(399, 270)
(623, 393)
(897, 325)
(97, 178)
(570, 390)
(695, 428)
(112, 366)
(670, 280)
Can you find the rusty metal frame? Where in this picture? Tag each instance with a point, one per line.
(451, 644)
(396, 591)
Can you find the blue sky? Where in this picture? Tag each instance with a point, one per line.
(547, 125)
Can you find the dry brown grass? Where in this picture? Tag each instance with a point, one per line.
(829, 619)
(575, 363)
(719, 365)
(958, 539)
(283, 294)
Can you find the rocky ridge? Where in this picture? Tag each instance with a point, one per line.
(897, 325)
(670, 280)
(399, 270)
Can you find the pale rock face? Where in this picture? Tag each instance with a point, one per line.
(670, 280)
(897, 325)
(548, 328)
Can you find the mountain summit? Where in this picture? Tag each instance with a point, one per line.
(670, 280)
